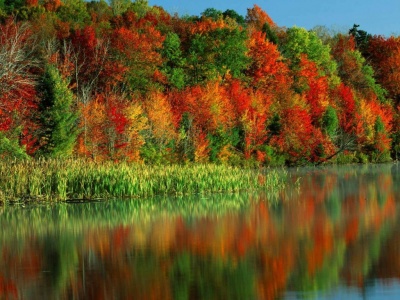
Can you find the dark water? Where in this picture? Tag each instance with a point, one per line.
(336, 235)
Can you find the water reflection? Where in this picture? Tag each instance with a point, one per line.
(335, 236)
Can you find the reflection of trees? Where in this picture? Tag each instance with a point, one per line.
(207, 277)
(310, 242)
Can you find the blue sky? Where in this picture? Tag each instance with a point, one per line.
(374, 16)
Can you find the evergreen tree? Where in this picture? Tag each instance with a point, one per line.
(57, 115)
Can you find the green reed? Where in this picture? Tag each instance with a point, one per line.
(78, 179)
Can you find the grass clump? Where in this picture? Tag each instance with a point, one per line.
(78, 179)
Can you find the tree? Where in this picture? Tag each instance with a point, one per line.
(212, 13)
(267, 70)
(361, 38)
(315, 88)
(138, 50)
(217, 53)
(18, 79)
(229, 13)
(299, 41)
(384, 56)
(74, 12)
(330, 122)
(58, 118)
(353, 69)
(173, 61)
(256, 18)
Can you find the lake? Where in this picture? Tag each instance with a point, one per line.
(333, 233)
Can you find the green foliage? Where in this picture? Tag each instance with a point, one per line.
(379, 126)
(173, 61)
(153, 153)
(274, 125)
(199, 60)
(11, 5)
(58, 118)
(212, 13)
(361, 37)
(240, 20)
(230, 51)
(300, 41)
(270, 34)
(74, 12)
(273, 158)
(10, 148)
(379, 91)
(362, 158)
(140, 7)
(220, 139)
(217, 53)
(344, 158)
(185, 147)
(196, 275)
(119, 6)
(396, 145)
(330, 122)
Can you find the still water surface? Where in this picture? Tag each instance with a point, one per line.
(334, 236)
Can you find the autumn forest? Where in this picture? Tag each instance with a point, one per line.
(125, 81)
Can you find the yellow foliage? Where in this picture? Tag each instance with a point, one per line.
(368, 117)
(138, 122)
(160, 117)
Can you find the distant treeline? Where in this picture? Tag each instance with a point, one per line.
(126, 81)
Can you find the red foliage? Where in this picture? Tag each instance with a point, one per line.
(52, 5)
(296, 137)
(344, 43)
(317, 91)
(347, 108)
(267, 69)
(31, 3)
(119, 121)
(384, 55)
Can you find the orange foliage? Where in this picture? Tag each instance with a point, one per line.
(52, 5)
(256, 18)
(206, 25)
(267, 69)
(159, 113)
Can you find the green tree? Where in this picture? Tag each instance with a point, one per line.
(58, 117)
(300, 41)
(140, 7)
(217, 53)
(270, 34)
(119, 6)
(173, 60)
(230, 13)
(361, 37)
(75, 12)
(212, 13)
(11, 148)
(330, 122)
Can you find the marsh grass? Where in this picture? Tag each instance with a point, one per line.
(78, 179)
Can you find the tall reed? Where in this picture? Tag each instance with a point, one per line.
(69, 179)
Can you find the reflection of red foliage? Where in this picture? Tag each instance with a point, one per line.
(8, 290)
(351, 232)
